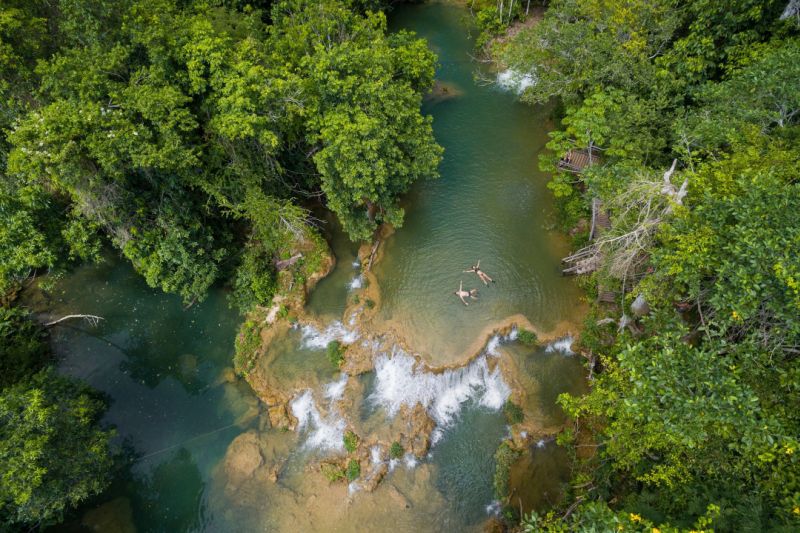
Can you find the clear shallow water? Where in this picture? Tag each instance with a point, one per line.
(491, 203)
(163, 368)
(167, 369)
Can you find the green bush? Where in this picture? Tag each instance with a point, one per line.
(369, 303)
(254, 283)
(332, 472)
(504, 457)
(350, 441)
(353, 470)
(246, 346)
(22, 347)
(335, 353)
(513, 412)
(527, 337)
(396, 451)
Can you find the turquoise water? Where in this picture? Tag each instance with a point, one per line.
(179, 410)
(162, 367)
(490, 204)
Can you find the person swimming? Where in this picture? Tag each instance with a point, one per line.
(481, 274)
(461, 293)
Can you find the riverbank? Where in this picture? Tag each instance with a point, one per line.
(405, 380)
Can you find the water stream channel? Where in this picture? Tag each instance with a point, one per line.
(205, 456)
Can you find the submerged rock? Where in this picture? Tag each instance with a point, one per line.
(243, 457)
(419, 428)
(115, 516)
(279, 418)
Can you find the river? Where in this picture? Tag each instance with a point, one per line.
(202, 455)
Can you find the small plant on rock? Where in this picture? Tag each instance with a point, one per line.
(332, 472)
(353, 470)
(396, 450)
(513, 412)
(335, 353)
(527, 337)
(350, 441)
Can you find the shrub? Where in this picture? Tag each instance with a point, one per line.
(513, 412)
(332, 472)
(335, 353)
(396, 451)
(527, 337)
(504, 457)
(247, 344)
(353, 470)
(350, 441)
(23, 350)
(369, 303)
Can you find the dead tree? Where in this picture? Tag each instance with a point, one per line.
(91, 319)
(638, 212)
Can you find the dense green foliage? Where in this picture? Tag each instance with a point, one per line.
(335, 352)
(52, 453)
(527, 337)
(194, 137)
(504, 457)
(513, 412)
(353, 470)
(23, 351)
(190, 134)
(351, 441)
(695, 404)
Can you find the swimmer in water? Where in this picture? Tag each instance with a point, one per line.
(461, 293)
(481, 274)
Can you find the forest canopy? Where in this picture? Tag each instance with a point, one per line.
(193, 136)
(691, 114)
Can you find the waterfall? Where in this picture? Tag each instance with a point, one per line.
(563, 346)
(323, 433)
(400, 382)
(313, 338)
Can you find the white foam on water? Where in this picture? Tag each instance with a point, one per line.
(334, 391)
(513, 80)
(494, 508)
(540, 443)
(563, 346)
(436, 436)
(410, 461)
(400, 382)
(313, 338)
(393, 464)
(326, 434)
(356, 283)
(356, 264)
(493, 345)
(375, 455)
(353, 487)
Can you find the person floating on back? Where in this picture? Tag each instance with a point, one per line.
(461, 293)
(481, 274)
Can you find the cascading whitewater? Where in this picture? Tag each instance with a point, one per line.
(400, 381)
(563, 346)
(325, 433)
(313, 338)
(496, 340)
